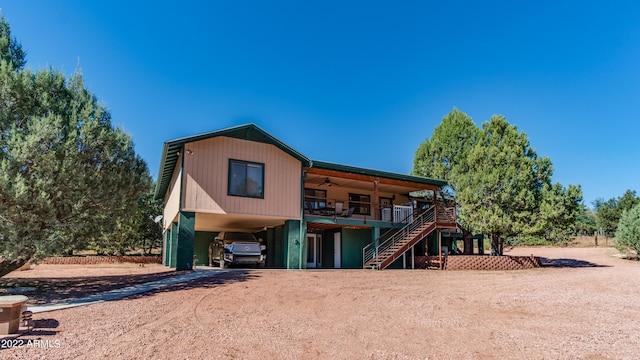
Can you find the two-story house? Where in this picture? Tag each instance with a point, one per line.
(309, 214)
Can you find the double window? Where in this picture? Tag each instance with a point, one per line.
(246, 179)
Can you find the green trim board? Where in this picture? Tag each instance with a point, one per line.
(352, 222)
(172, 148)
(377, 173)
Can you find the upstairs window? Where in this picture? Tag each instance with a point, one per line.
(246, 179)
(360, 203)
(315, 199)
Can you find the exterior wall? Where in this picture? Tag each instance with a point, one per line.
(275, 242)
(201, 246)
(207, 171)
(172, 198)
(353, 241)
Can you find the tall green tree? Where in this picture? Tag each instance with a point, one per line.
(447, 149)
(628, 232)
(585, 222)
(66, 173)
(501, 185)
(609, 212)
(10, 49)
(559, 210)
(137, 231)
(502, 189)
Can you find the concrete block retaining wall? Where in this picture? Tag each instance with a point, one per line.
(480, 262)
(92, 260)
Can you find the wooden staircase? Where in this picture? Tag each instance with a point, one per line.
(387, 251)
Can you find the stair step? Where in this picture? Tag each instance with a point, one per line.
(401, 241)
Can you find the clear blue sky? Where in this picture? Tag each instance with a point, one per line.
(359, 83)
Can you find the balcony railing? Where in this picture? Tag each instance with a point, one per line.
(333, 207)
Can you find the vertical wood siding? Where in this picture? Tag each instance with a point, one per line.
(207, 175)
(172, 198)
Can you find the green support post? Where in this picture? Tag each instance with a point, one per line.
(295, 246)
(186, 237)
(173, 241)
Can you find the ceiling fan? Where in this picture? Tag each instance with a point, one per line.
(328, 182)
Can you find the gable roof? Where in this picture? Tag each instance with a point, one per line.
(172, 148)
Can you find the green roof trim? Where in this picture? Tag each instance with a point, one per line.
(251, 132)
(376, 173)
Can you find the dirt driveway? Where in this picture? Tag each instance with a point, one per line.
(584, 307)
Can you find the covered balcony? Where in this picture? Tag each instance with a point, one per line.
(338, 196)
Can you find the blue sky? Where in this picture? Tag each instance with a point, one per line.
(359, 83)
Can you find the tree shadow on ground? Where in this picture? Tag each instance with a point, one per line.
(95, 285)
(209, 282)
(568, 263)
(56, 290)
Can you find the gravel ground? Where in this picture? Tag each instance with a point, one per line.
(584, 306)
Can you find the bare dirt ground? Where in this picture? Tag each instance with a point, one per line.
(583, 306)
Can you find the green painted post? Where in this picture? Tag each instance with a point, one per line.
(293, 244)
(375, 235)
(173, 242)
(186, 238)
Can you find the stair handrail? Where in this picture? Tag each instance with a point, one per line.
(369, 253)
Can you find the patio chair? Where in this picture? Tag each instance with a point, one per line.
(349, 212)
(339, 210)
(308, 206)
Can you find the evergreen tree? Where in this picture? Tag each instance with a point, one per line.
(447, 149)
(66, 173)
(609, 212)
(501, 192)
(628, 232)
(559, 210)
(585, 222)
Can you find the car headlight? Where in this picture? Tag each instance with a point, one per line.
(263, 247)
(228, 247)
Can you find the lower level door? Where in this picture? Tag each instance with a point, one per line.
(337, 246)
(314, 250)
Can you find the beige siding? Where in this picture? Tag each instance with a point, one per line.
(207, 171)
(172, 198)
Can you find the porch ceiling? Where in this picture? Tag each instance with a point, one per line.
(314, 226)
(358, 182)
(229, 222)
